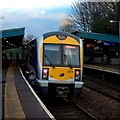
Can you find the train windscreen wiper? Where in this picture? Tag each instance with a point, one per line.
(49, 61)
(70, 65)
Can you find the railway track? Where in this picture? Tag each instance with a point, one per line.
(63, 108)
(104, 83)
(103, 88)
(66, 109)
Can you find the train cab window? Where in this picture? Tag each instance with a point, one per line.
(52, 55)
(71, 56)
(61, 55)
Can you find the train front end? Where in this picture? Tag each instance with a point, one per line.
(61, 65)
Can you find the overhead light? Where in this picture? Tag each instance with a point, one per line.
(7, 41)
(112, 21)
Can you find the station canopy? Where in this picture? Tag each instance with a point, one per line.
(12, 38)
(98, 36)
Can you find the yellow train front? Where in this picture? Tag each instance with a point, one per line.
(61, 65)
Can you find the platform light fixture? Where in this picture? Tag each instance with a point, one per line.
(114, 21)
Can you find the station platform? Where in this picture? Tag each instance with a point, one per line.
(20, 100)
(104, 68)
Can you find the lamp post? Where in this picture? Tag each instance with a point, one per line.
(1, 66)
(1, 18)
(114, 21)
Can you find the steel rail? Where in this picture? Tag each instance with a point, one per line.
(102, 91)
(81, 108)
(102, 83)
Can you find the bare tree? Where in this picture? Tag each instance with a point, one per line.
(67, 25)
(29, 38)
(80, 16)
(94, 16)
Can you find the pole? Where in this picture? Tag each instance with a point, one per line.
(114, 21)
(119, 43)
(1, 99)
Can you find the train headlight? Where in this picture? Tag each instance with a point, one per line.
(77, 75)
(45, 72)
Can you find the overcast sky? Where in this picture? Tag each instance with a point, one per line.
(37, 16)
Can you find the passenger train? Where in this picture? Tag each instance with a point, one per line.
(56, 63)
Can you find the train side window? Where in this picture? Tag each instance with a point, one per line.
(31, 57)
(25, 55)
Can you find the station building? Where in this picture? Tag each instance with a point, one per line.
(12, 40)
(98, 47)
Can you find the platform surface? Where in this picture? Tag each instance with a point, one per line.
(106, 68)
(19, 101)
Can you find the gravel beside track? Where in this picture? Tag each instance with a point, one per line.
(100, 106)
(104, 89)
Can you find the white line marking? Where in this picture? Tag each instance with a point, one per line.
(102, 70)
(41, 103)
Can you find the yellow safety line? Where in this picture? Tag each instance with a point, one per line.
(12, 105)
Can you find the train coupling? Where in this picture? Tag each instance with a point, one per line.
(62, 91)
